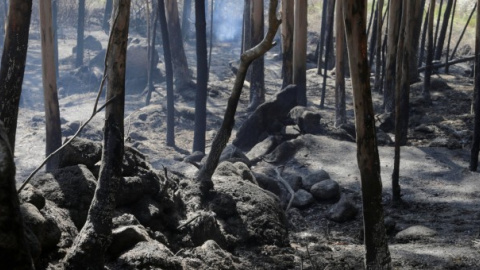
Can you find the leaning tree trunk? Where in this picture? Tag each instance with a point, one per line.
(447, 58)
(416, 16)
(423, 38)
(88, 249)
(80, 33)
(394, 18)
(169, 71)
(376, 242)
(300, 51)
(13, 65)
(287, 42)
(257, 82)
(220, 141)
(476, 131)
(430, 48)
(443, 31)
(15, 252)
(52, 111)
(107, 14)
(202, 78)
(435, 38)
(340, 107)
(328, 48)
(181, 72)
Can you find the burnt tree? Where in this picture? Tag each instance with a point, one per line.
(80, 33)
(88, 249)
(394, 19)
(257, 80)
(430, 48)
(443, 30)
(376, 242)
(476, 131)
(340, 104)
(287, 42)
(300, 51)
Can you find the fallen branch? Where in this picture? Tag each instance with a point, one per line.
(289, 188)
(456, 61)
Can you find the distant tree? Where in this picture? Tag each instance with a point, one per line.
(340, 107)
(447, 58)
(151, 38)
(417, 15)
(15, 252)
(205, 173)
(257, 81)
(321, 41)
(443, 30)
(187, 10)
(80, 33)
(179, 59)
(106, 15)
(13, 65)
(430, 48)
(378, 47)
(202, 78)
(287, 42)
(2, 22)
(376, 241)
(88, 249)
(55, 34)
(300, 51)
(476, 131)
(394, 19)
(169, 71)
(50, 94)
(247, 21)
(435, 38)
(328, 48)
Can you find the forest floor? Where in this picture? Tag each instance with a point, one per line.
(439, 191)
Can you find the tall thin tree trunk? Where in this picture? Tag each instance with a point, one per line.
(321, 42)
(187, 10)
(340, 107)
(430, 48)
(376, 242)
(443, 30)
(80, 33)
(329, 36)
(202, 78)
(13, 65)
(152, 36)
(394, 19)
(476, 130)
(107, 15)
(417, 15)
(287, 42)
(370, 20)
(257, 82)
(300, 51)
(15, 252)
(52, 111)
(55, 35)
(378, 48)
(374, 35)
(463, 31)
(169, 71)
(435, 39)
(424, 35)
(447, 58)
(88, 249)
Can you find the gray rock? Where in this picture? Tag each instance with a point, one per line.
(294, 181)
(271, 184)
(314, 178)
(265, 119)
(326, 190)
(383, 138)
(81, 151)
(145, 210)
(195, 157)
(417, 232)
(135, 163)
(245, 172)
(32, 195)
(33, 244)
(205, 227)
(284, 152)
(233, 154)
(385, 122)
(306, 119)
(210, 256)
(91, 43)
(344, 210)
(64, 223)
(147, 255)
(124, 238)
(124, 219)
(33, 219)
(133, 188)
(302, 199)
(291, 131)
(71, 188)
(263, 148)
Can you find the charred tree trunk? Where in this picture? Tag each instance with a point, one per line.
(287, 42)
(13, 65)
(435, 39)
(152, 36)
(463, 31)
(340, 104)
(202, 78)
(423, 40)
(476, 131)
(107, 15)
(374, 35)
(169, 71)
(417, 15)
(88, 249)
(220, 141)
(447, 58)
(52, 111)
(3, 8)
(430, 48)
(394, 18)
(181, 72)
(378, 48)
(14, 249)
(80, 33)
(187, 10)
(55, 35)
(329, 37)
(257, 82)
(376, 242)
(443, 30)
(321, 42)
(300, 51)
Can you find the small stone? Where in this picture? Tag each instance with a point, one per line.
(326, 190)
(417, 232)
(124, 238)
(344, 210)
(302, 199)
(32, 195)
(314, 178)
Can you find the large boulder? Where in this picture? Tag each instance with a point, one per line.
(267, 119)
(61, 218)
(124, 238)
(71, 188)
(81, 151)
(147, 255)
(32, 195)
(210, 256)
(256, 216)
(306, 119)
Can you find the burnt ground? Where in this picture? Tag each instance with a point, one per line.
(439, 191)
